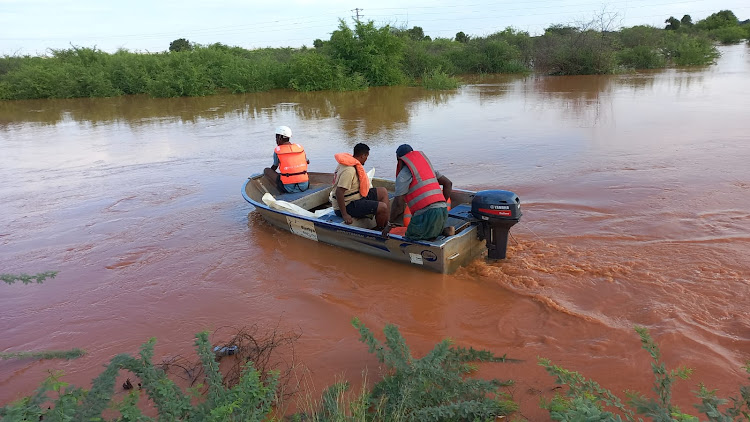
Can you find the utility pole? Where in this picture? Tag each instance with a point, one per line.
(357, 10)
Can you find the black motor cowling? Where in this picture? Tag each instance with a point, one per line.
(498, 211)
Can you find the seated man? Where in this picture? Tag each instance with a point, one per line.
(418, 186)
(352, 196)
(292, 163)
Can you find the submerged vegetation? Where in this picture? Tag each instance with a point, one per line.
(46, 354)
(439, 80)
(27, 278)
(365, 55)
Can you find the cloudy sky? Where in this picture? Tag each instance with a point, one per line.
(33, 26)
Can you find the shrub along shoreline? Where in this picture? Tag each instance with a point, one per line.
(365, 55)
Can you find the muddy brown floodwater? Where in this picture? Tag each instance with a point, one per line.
(636, 196)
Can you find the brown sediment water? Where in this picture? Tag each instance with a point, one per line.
(636, 199)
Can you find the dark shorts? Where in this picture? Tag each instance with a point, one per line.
(363, 207)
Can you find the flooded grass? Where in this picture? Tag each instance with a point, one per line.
(439, 80)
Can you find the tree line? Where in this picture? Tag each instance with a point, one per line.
(722, 26)
(363, 55)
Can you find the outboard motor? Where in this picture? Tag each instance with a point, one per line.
(498, 211)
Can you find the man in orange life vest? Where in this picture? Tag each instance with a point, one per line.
(418, 185)
(292, 163)
(352, 196)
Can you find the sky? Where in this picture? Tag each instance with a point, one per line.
(31, 27)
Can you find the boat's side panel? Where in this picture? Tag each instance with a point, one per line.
(431, 257)
(462, 249)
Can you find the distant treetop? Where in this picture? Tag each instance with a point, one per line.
(180, 44)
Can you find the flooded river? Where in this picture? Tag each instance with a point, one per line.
(636, 197)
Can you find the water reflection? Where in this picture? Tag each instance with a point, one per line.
(380, 112)
(361, 113)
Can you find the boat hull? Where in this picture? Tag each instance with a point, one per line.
(445, 255)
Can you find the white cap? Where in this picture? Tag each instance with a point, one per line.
(284, 131)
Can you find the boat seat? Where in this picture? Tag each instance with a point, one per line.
(458, 223)
(459, 217)
(365, 223)
(294, 196)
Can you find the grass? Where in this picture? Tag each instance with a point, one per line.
(46, 354)
(436, 79)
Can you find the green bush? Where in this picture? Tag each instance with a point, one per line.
(312, 71)
(498, 53)
(177, 76)
(180, 44)
(728, 34)
(436, 79)
(35, 79)
(374, 53)
(571, 51)
(130, 73)
(497, 56)
(718, 20)
(641, 36)
(641, 57)
(9, 63)
(418, 59)
(434, 388)
(521, 41)
(686, 50)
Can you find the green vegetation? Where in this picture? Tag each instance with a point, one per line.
(686, 50)
(364, 55)
(439, 80)
(251, 399)
(433, 388)
(436, 387)
(46, 354)
(26, 278)
(180, 44)
(587, 400)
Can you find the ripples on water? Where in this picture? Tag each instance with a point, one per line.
(636, 194)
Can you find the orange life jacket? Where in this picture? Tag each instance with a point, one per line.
(349, 160)
(424, 188)
(292, 163)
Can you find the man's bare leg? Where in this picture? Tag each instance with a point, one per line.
(383, 197)
(381, 215)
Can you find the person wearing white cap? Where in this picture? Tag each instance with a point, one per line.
(291, 161)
